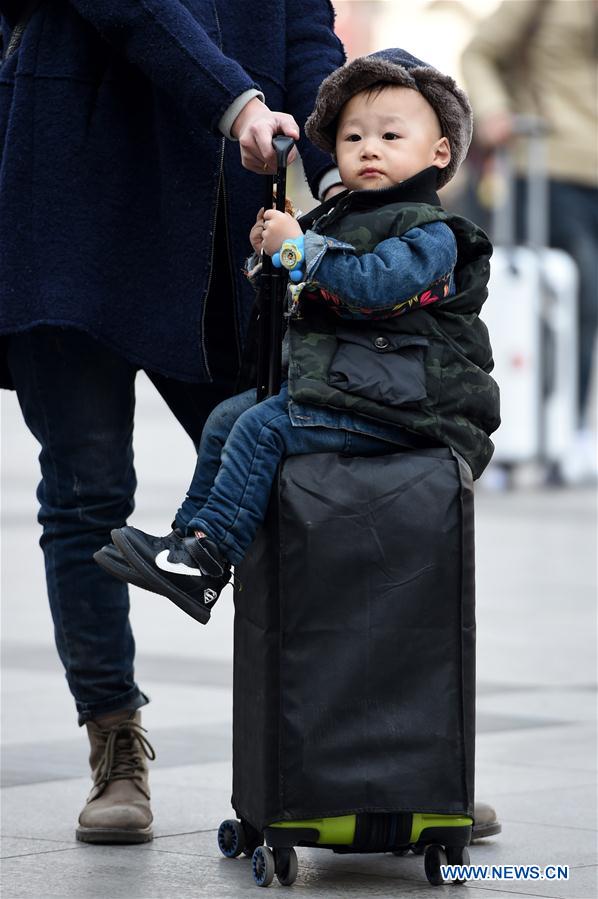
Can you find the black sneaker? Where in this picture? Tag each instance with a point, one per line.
(109, 558)
(189, 572)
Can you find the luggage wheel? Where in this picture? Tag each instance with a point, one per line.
(267, 862)
(436, 855)
(236, 837)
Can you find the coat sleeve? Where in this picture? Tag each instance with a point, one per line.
(497, 44)
(313, 52)
(163, 39)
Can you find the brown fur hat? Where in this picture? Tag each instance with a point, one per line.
(394, 66)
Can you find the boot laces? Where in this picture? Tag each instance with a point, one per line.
(123, 756)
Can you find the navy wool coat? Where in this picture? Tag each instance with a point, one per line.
(111, 161)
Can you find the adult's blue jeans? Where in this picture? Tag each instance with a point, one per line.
(240, 450)
(78, 400)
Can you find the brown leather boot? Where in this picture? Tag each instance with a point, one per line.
(485, 822)
(118, 807)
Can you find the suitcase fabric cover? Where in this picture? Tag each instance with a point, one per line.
(354, 680)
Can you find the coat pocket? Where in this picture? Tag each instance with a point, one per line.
(379, 365)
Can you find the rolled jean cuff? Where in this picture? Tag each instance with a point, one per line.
(224, 541)
(181, 522)
(130, 701)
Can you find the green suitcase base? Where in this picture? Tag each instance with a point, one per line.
(443, 839)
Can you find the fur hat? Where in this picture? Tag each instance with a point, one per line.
(394, 66)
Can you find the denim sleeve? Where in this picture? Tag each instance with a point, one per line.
(398, 275)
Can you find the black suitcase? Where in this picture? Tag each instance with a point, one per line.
(354, 659)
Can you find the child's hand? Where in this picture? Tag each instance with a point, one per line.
(278, 226)
(256, 233)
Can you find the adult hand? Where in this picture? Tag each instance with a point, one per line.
(254, 128)
(278, 226)
(495, 130)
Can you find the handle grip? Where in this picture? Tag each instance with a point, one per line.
(283, 146)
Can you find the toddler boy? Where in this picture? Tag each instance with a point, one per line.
(385, 347)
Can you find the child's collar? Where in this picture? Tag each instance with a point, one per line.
(420, 188)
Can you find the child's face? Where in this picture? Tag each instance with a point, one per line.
(384, 138)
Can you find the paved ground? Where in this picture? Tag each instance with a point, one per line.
(537, 709)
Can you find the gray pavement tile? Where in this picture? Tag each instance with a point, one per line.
(493, 779)
(536, 844)
(165, 668)
(572, 807)
(491, 723)
(198, 842)
(518, 845)
(135, 873)
(490, 688)
(14, 847)
(190, 865)
(44, 698)
(212, 775)
(132, 873)
(117, 873)
(560, 644)
(582, 884)
(572, 748)
(51, 810)
(28, 763)
(569, 706)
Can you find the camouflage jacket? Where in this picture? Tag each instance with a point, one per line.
(426, 367)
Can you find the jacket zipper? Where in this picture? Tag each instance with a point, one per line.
(221, 186)
(15, 40)
(208, 285)
(220, 176)
(230, 266)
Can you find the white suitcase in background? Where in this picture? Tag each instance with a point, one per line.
(531, 314)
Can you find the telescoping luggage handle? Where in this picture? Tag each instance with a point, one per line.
(533, 130)
(273, 283)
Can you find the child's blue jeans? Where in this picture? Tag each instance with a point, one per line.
(241, 447)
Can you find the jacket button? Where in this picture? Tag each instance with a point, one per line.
(381, 343)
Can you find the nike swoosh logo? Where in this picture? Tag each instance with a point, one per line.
(162, 562)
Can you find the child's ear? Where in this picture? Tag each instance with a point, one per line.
(442, 153)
